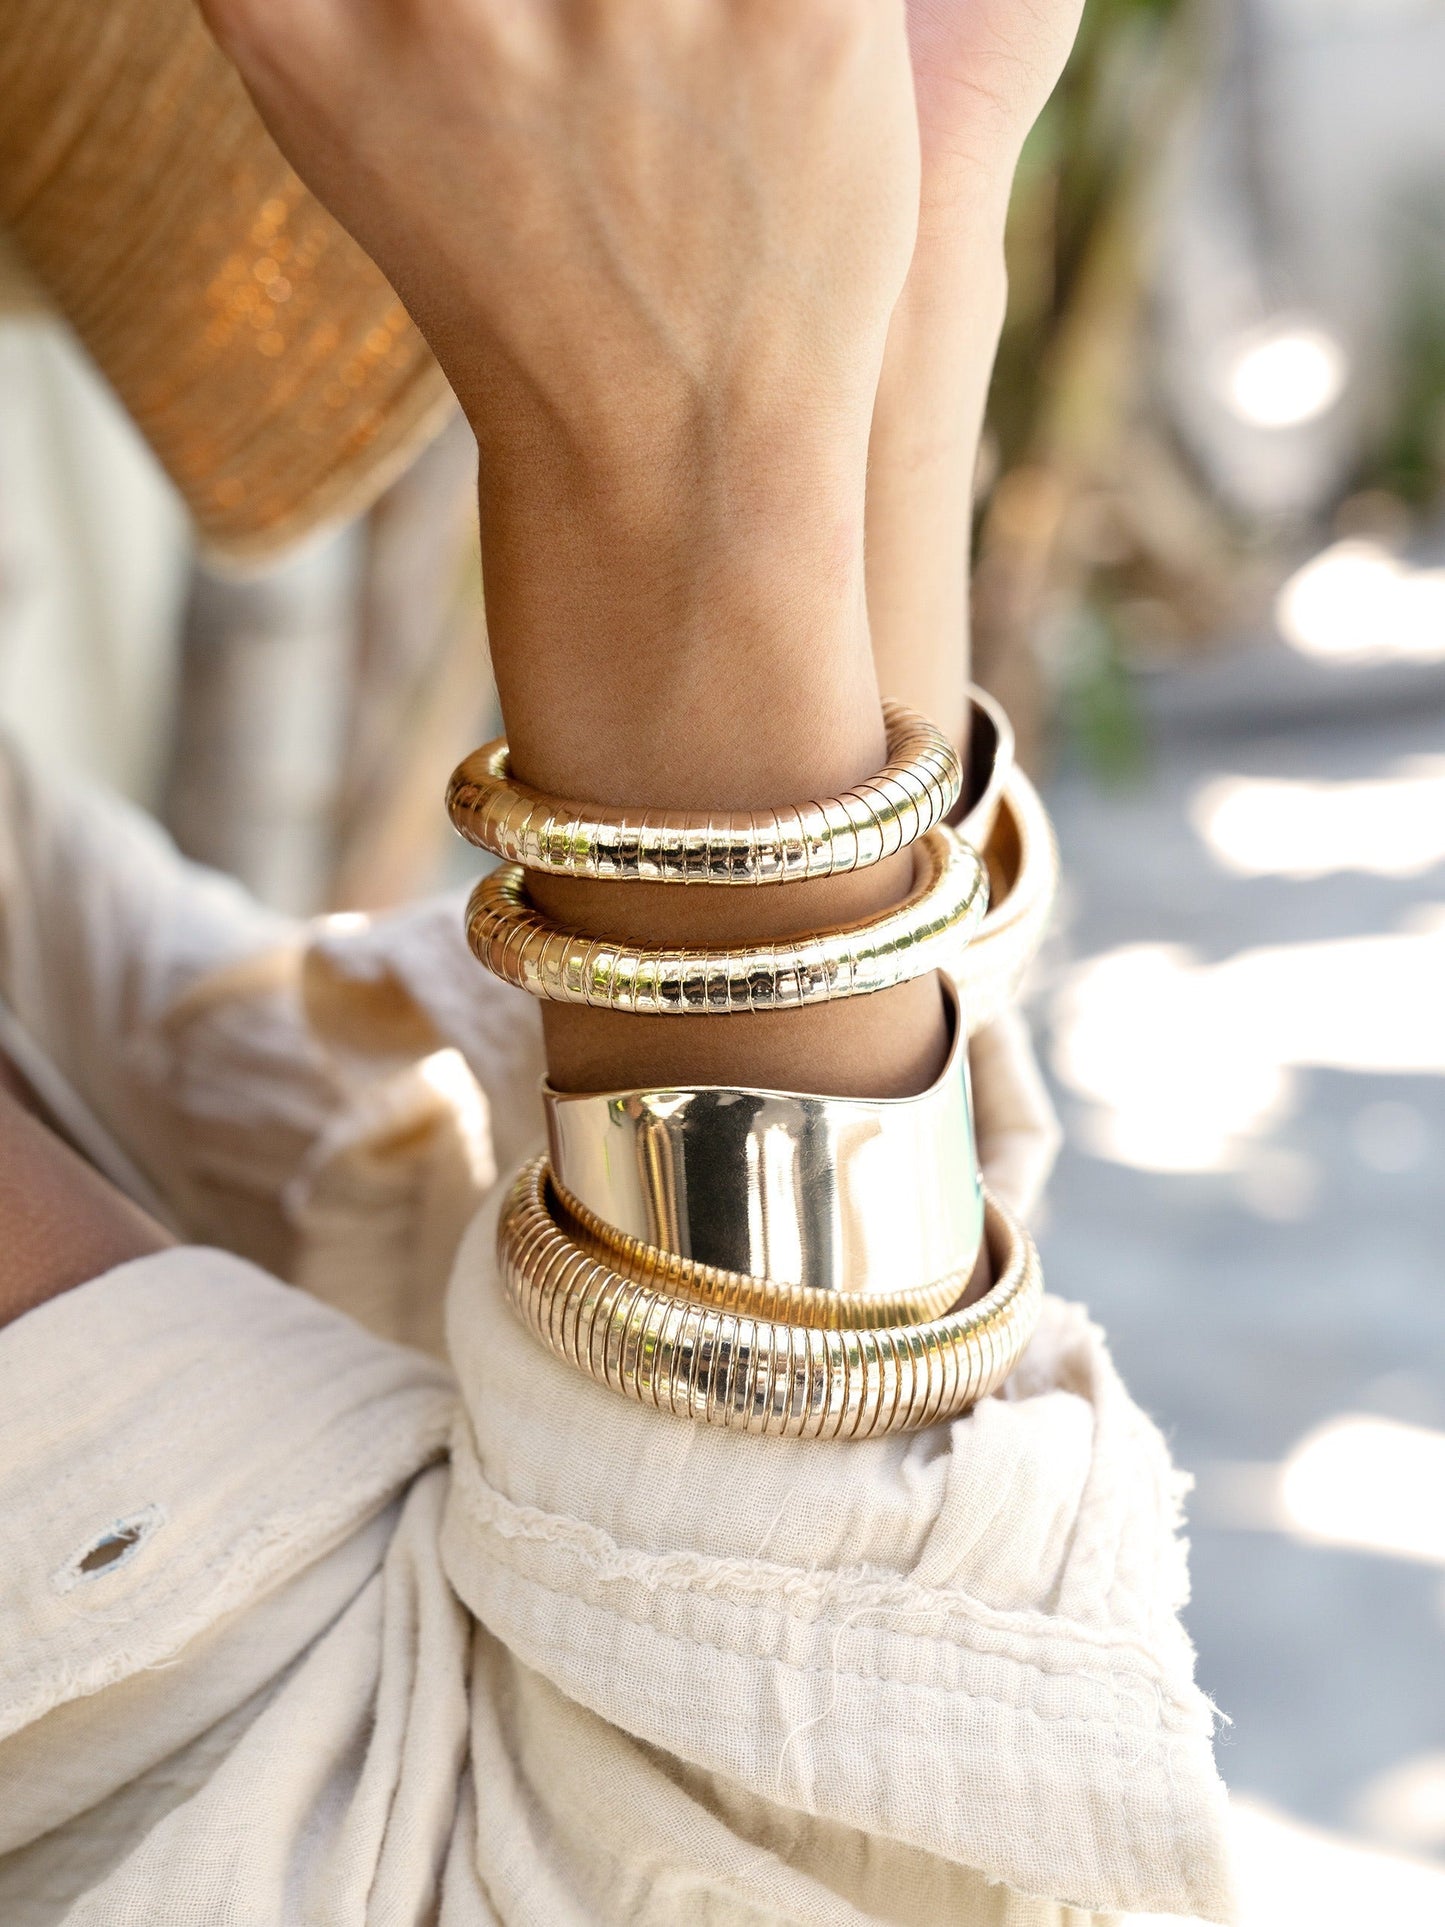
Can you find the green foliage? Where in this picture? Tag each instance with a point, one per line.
(1099, 703)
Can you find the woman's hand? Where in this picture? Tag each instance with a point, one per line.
(982, 71)
(659, 247)
(656, 245)
(654, 229)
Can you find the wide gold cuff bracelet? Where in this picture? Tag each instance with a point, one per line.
(624, 1327)
(749, 1294)
(840, 1197)
(1023, 865)
(864, 825)
(520, 945)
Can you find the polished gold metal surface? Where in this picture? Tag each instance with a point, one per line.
(1023, 864)
(842, 1195)
(632, 1333)
(755, 1297)
(523, 947)
(864, 825)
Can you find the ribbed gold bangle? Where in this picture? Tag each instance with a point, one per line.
(523, 947)
(917, 789)
(755, 1374)
(1023, 863)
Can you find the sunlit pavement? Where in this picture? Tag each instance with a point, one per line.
(1245, 1023)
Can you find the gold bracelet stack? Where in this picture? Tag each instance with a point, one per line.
(760, 1259)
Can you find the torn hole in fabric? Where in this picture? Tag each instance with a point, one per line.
(110, 1549)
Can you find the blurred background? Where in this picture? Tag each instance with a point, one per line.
(1211, 587)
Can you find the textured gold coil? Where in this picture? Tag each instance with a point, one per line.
(864, 825)
(731, 846)
(520, 945)
(749, 1373)
(989, 965)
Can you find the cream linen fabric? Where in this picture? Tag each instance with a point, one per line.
(389, 1645)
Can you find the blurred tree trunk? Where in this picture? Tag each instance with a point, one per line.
(1070, 391)
(323, 701)
(266, 666)
(422, 692)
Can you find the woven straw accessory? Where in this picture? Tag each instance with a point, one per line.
(262, 355)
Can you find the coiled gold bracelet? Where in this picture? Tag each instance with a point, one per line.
(626, 1329)
(522, 946)
(863, 826)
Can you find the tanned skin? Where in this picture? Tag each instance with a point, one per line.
(719, 284)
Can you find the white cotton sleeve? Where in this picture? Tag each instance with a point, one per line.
(936, 1678)
(177, 1437)
(1017, 1126)
(172, 1008)
(103, 927)
(232, 1674)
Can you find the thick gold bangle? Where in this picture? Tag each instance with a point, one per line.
(755, 1374)
(864, 825)
(521, 946)
(1023, 866)
(842, 1195)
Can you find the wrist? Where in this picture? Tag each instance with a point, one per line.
(941, 346)
(661, 626)
(922, 459)
(698, 638)
(678, 620)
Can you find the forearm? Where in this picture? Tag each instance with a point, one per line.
(922, 459)
(981, 73)
(701, 642)
(61, 1223)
